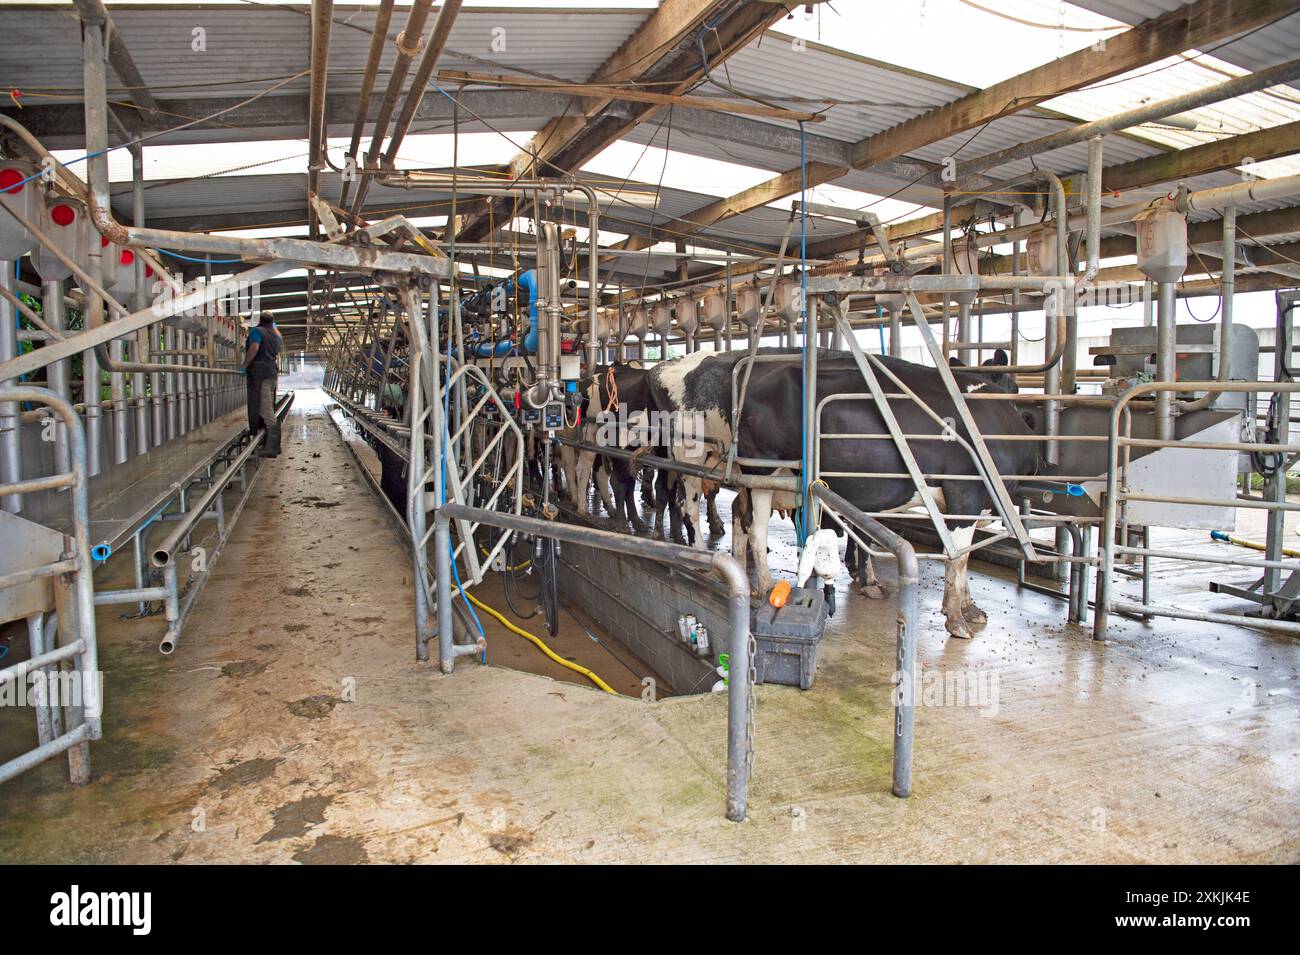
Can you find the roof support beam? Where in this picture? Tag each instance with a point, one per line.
(1199, 160)
(651, 53)
(661, 51)
(1190, 27)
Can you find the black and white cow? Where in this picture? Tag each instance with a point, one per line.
(624, 386)
(770, 427)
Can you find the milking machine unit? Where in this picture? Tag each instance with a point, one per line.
(535, 366)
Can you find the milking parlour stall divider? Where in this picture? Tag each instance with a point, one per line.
(484, 398)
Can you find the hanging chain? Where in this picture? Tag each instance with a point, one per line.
(750, 678)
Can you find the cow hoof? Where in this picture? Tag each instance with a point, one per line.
(873, 591)
(717, 530)
(959, 630)
(974, 615)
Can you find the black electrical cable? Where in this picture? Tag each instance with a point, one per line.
(550, 585)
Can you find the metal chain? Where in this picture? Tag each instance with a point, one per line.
(750, 678)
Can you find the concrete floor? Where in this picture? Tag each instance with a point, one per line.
(293, 724)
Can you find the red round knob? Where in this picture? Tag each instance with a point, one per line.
(9, 179)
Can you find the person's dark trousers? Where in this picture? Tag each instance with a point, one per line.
(254, 403)
(261, 409)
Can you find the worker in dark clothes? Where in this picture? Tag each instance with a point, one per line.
(261, 356)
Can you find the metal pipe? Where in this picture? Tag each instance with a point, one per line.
(321, 13)
(1238, 86)
(1166, 357)
(408, 44)
(420, 80)
(57, 374)
(1094, 208)
(378, 38)
(1056, 322)
(164, 553)
(1227, 285)
(10, 428)
(141, 347)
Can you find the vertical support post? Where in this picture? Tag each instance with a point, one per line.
(36, 645)
(94, 74)
(739, 690)
(1227, 288)
(728, 301)
(117, 393)
(442, 573)
(57, 374)
(157, 387)
(1166, 356)
(1275, 488)
(947, 270)
(1014, 337)
(141, 345)
(10, 420)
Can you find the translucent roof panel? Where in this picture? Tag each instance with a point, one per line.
(269, 157)
(1184, 74)
(935, 36)
(673, 169)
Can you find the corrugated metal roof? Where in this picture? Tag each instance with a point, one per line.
(876, 96)
(247, 48)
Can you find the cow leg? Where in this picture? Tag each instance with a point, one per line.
(582, 471)
(569, 467)
(741, 521)
(657, 500)
(625, 499)
(761, 507)
(716, 527)
(693, 490)
(973, 614)
(868, 584)
(603, 471)
(956, 587)
(872, 587)
(648, 478)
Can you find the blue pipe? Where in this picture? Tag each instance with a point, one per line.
(526, 280)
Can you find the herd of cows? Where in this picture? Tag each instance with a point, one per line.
(697, 389)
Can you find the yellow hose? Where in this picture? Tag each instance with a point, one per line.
(516, 568)
(541, 645)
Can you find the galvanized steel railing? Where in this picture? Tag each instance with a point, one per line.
(71, 729)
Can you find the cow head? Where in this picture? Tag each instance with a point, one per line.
(1001, 381)
(992, 382)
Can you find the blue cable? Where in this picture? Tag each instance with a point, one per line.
(803, 304)
(187, 258)
(42, 173)
(455, 574)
